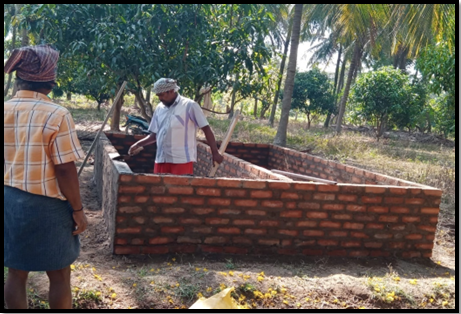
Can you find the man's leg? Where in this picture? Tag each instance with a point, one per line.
(15, 289)
(60, 293)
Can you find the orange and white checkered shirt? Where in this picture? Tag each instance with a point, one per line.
(37, 135)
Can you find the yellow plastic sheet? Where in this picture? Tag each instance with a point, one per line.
(221, 301)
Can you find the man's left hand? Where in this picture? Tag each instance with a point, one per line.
(217, 157)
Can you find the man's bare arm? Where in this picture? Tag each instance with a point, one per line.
(217, 157)
(148, 140)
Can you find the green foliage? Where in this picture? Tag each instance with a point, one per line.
(312, 92)
(384, 97)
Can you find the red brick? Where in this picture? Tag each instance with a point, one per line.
(410, 219)
(254, 185)
(400, 210)
(131, 189)
(414, 236)
(415, 201)
(291, 233)
(427, 228)
(396, 245)
(385, 218)
(350, 244)
(235, 250)
(119, 241)
(353, 225)
(333, 207)
(129, 230)
(372, 200)
(279, 186)
(173, 210)
(215, 240)
(253, 212)
(193, 200)
(324, 242)
(430, 237)
(347, 198)
(229, 230)
(212, 249)
(411, 254)
(255, 231)
(161, 220)
(434, 220)
(172, 229)
(130, 209)
(364, 218)
(141, 199)
(203, 182)
(229, 183)
(261, 194)
(269, 242)
(424, 246)
(158, 190)
(139, 220)
(202, 211)
(378, 209)
(313, 233)
(356, 234)
(192, 221)
(288, 195)
(324, 196)
(341, 216)
(160, 240)
(305, 187)
(245, 203)
(164, 199)
(352, 189)
(174, 180)
(272, 204)
(305, 205)
(338, 234)
(291, 214)
(124, 199)
(328, 188)
(330, 224)
(287, 251)
(312, 252)
(308, 224)
(208, 192)
(269, 223)
(393, 200)
(219, 202)
(217, 221)
(433, 192)
(317, 215)
(398, 227)
(430, 211)
(383, 236)
(229, 212)
(414, 191)
(399, 191)
(246, 222)
(149, 179)
(242, 240)
(373, 245)
(137, 241)
(362, 253)
(356, 208)
(181, 190)
(375, 190)
(126, 178)
(202, 230)
(123, 250)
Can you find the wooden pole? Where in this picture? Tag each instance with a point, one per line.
(119, 94)
(223, 146)
(300, 176)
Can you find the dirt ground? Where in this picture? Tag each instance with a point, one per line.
(101, 280)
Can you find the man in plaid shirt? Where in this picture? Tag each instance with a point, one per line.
(43, 212)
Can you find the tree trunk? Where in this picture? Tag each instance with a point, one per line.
(255, 112)
(282, 69)
(337, 68)
(149, 94)
(308, 121)
(10, 76)
(342, 105)
(327, 121)
(231, 113)
(341, 77)
(144, 106)
(115, 121)
(281, 135)
(69, 96)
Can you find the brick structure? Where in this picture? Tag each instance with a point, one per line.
(247, 209)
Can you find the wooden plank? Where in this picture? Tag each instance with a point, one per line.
(119, 94)
(223, 146)
(300, 176)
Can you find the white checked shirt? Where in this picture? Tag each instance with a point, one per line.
(176, 130)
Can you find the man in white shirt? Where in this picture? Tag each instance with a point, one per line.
(174, 127)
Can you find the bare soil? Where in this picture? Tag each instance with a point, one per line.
(105, 281)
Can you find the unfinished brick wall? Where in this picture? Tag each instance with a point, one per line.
(157, 214)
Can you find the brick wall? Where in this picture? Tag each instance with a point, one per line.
(165, 214)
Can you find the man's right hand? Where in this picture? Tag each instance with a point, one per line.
(133, 148)
(80, 222)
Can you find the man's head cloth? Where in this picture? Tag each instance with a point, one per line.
(164, 85)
